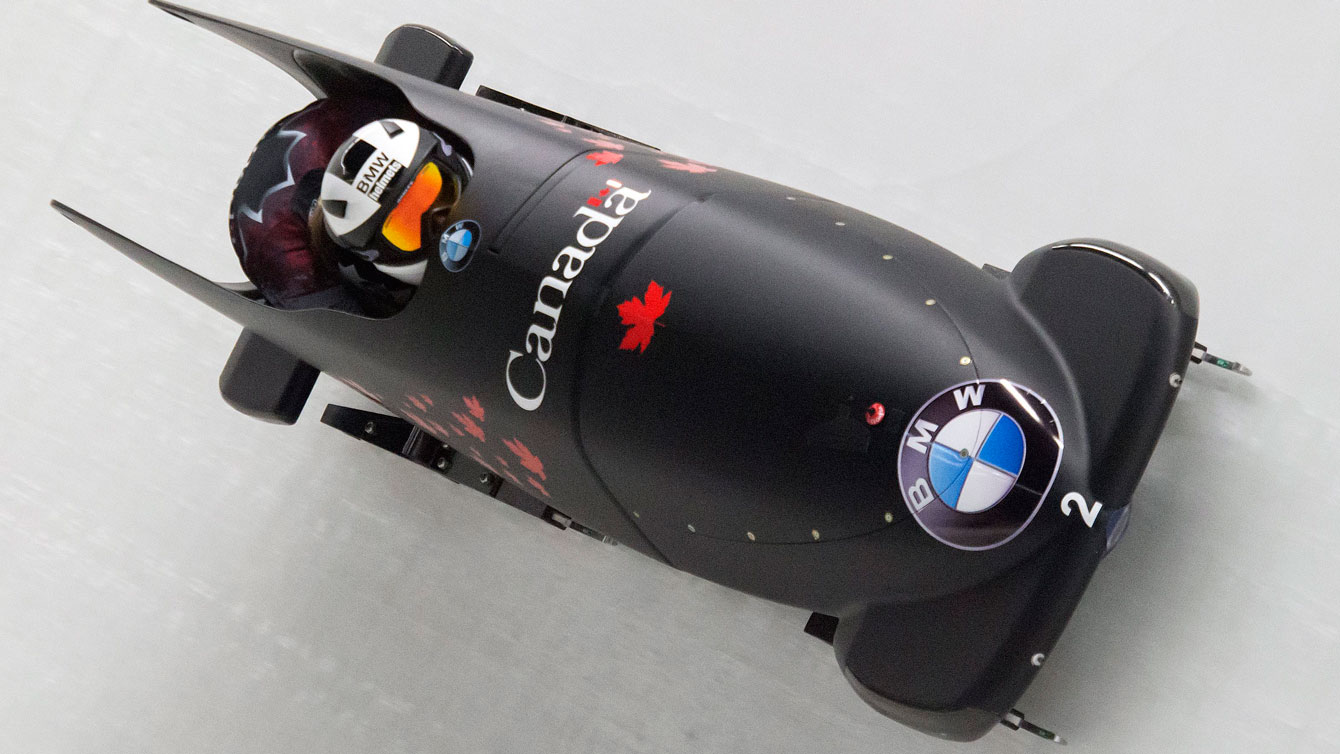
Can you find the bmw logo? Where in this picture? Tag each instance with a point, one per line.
(458, 243)
(976, 462)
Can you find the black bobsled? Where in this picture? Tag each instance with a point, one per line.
(752, 384)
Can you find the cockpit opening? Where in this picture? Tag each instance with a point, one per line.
(338, 203)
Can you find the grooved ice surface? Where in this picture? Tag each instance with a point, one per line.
(177, 578)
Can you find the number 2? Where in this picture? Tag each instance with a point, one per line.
(1089, 514)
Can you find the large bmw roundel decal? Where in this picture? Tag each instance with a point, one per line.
(976, 462)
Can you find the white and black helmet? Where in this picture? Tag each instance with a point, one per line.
(381, 187)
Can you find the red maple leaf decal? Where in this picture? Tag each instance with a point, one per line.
(604, 143)
(469, 424)
(554, 124)
(476, 410)
(362, 389)
(641, 316)
(688, 167)
(528, 459)
(605, 157)
(429, 426)
(474, 453)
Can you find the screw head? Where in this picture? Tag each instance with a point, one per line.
(485, 478)
(441, 463)
(874, 413)
(369, 428)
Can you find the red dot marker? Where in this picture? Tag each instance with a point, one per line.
(874, 414)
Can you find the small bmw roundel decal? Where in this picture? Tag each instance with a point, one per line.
(976, 462)
(458, 243)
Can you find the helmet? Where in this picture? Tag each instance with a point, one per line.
(384, 187)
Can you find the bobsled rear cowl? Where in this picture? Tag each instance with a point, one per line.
(787, 355)
(1122, 325)
(794, 343)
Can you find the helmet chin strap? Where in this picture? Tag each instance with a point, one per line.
(410, 274)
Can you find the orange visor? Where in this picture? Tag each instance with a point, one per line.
(404, 225)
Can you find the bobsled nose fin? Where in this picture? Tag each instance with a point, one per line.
(277, 49)
(236, 305)
(323, 72)
(262, 378)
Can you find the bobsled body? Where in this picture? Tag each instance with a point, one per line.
(767, 389)
(736, 443)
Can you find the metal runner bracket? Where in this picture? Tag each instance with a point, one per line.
(393, 434)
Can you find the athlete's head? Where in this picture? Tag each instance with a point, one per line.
(387, 189)
(275, 196)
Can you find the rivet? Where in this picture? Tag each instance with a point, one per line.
(814, 533)
(888, 517)
(966, 360)
(887, 257)
(636, 514)
(930, 302)
(749, 534)
(839, 223)
(695, 531)
(485, 478)
(1175, 379)
(441, 462)
(369, 428)
(1038, 659)
(790, 198)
